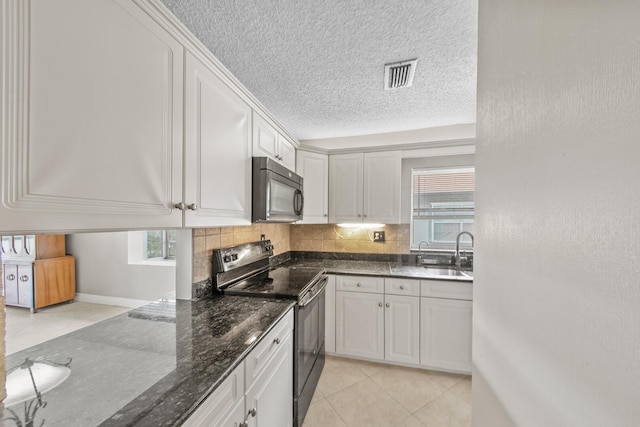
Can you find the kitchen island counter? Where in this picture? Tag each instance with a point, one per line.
(153, 365)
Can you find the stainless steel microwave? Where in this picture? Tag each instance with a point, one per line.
(277, 192)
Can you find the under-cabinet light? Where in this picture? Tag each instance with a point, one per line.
(359, 225)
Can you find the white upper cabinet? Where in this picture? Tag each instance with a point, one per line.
(345, 188)
(217, 150)
(92, 117)
(93, 136)
(314, 169)
(381, 189)
(365, 187)
(267, 141)
(287, 152)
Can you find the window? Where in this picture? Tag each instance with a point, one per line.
(160, 244)
(442, 206)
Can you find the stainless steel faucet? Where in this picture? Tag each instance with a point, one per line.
(457, 255)
(419, 257)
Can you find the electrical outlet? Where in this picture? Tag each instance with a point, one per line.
(378, 236)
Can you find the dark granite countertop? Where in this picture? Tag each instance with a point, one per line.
(151, 366)
(370, 268)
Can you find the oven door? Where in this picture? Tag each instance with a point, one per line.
(310, 334)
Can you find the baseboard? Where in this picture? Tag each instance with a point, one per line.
(106, 300)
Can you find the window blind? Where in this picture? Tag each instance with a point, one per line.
(443, 194)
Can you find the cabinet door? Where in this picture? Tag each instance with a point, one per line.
(271, 395)
(345, 188)
(234, 418)
(402, 329)
(25, 285)
(55, 280)
(224, 407)
(287, 153)
(94, 118)
(217, 150)
(382, 187)
(10, 283)
(445, 333)
(314, 168)
(360, 324)
(265, 138)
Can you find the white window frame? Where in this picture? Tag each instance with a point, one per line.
(435, 245)
(165, 247)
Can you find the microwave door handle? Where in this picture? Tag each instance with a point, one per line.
(298, 202)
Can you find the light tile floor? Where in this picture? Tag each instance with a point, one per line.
(24, 330)
(354, 393)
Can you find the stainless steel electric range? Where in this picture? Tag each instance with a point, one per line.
(244, 270)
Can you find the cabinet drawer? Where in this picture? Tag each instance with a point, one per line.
(221, 402)
(259, 358)
(360, 284)
(396, 286)
(446, 289)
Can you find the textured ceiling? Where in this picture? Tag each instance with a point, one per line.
(318, 65)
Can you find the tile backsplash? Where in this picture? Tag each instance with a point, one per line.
(332, 238)
(205, 240)
(296, 237)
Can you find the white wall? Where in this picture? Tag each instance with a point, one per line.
(435, 134)
(556, 337)
(103, 269)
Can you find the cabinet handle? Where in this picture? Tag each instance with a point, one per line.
(358, 284)
(326, 215)
(11, 277)
(179, 206)
(251, 413)
(359, 216)
(387, 305)
(401, 286)
(364, 215)
(277, 341)
(24, 278)
(192, 206)
(379, 304)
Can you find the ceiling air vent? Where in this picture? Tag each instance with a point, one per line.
(399, 74)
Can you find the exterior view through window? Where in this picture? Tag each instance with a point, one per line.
(442, 206)
(160, 244)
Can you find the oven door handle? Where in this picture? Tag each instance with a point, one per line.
(310, 300)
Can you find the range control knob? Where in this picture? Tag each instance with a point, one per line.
(226, 258)
(234, 257)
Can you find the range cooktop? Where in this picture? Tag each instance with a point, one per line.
(280, 282)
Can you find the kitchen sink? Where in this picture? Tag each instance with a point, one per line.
(448, 272)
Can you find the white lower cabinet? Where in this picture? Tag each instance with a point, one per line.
(225, 406)
(259, 392)
(445, 330)
(269, 400)
(408, 321)
(360, 324)
(402, 329)
(376, 326)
